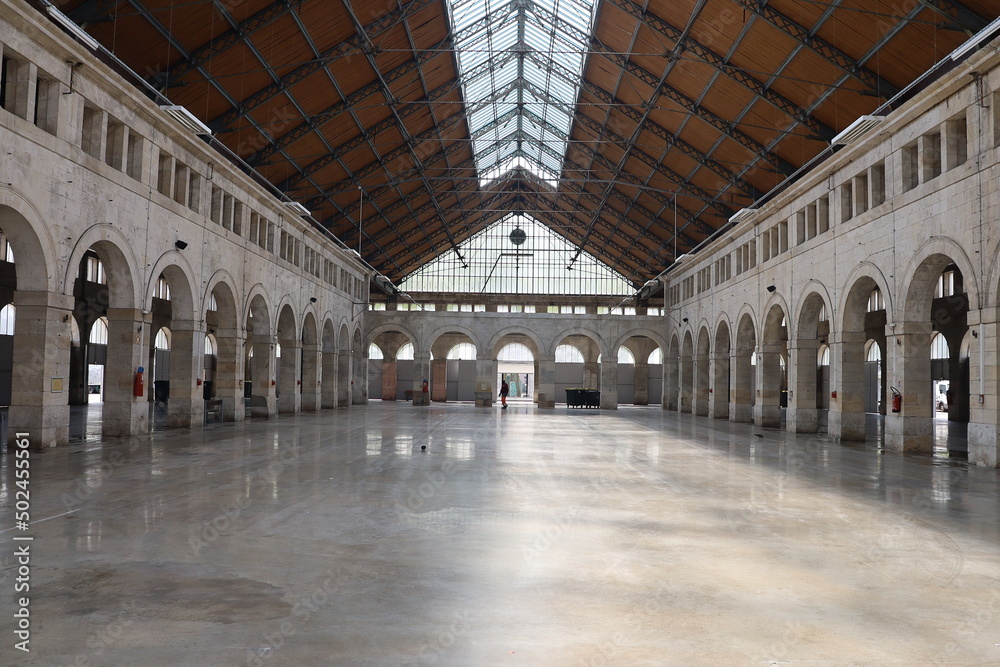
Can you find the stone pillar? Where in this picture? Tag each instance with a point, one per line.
(328, 393)
(701, 385)
(684, 397)
(803, 415)
(388, 380)
(640, 381)
(421, 372)
(262, 366)
(741, 386)
(609, 384)
(909, 368)
(343, 379)
(128, 335)
(186, 405)
(984, 415)
(847, 378)
(591, 374)
(289, 398)
(40, 382)
(546, 382)
(486, 391)
(312, 359)
(670, 382)
(228, 384)
(718, 399)
(359, 377)
(439, 380)
(767, 410)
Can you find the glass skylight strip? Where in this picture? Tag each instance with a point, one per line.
(538, 47)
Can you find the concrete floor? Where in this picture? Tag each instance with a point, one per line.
(520, 537)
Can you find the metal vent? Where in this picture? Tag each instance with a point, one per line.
(857, 130)
(186, 118)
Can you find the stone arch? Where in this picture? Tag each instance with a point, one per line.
(287, 335)
(671, 374)
(310, 366)
(687, 372)
(258, 353)
(721, 380)
(328, 394)
(224, 323)
(174, 267)
(772, 365)
(646, 383)
(537, 346)
(804, 380)
(922, 273)
(702, 371)
(34, 256)
(850, 313)
(602, 346)
(120, 265)
(431, 339)
(654, 335)
(344, 366)
(744, 385)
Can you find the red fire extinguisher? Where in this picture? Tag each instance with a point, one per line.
(138, 387)
(897, 399)
(424, 387)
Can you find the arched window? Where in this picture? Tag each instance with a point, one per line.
(516, 352)
(95, 270)
(655, 357)
(210, 345)
(99, 332)
(874, 352)
(277, 351)
(822, 316)
(162, 289)
(375, 352)
(466, 351)
(405, 353)
(162, 341)
(567, 354)
(939, 347)
(625, 356)
(875, 302)
(7, 320)
(823, 356)
(212, 303)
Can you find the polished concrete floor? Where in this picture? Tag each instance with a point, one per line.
(517, 537)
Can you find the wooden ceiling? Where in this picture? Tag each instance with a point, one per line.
(355, 109)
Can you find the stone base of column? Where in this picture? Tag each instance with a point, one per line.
(847, 426)
(701, 408)
(422, 398)
(484, 399)
(767, 415)
(741, 412)
(984, 446)
(262, 406)
(908, 434)
(185, 413)
(718, 409)
(122, 419)
(802, 420)
(545, 401)
(46, 426)
(290, 405)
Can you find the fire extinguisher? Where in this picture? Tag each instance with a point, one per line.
(138, 387)
(424, 387)
(897, 399)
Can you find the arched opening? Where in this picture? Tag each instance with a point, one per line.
(720, 392)
(97, 356)
(940, 374)
(223, 381)
(742, 394)
(209, 366)
(161, 377)
(310, 366)
(874, 378)
(702, 374)
(823, 379)
(453, 368)
(329, 388)
(258, 361)
(288, 364)
(376, 359)
(687, 374)
(516, 365)
(654, 378)
(344, 368)
(772, 376)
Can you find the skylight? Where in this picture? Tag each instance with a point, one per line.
(520, 63)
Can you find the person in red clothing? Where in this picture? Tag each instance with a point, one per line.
(504, 390)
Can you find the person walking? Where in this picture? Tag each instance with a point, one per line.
(504, 390)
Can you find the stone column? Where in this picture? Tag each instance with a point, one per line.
(546, 382)
(128, 341)
(359, 377)
(640, 381)
(847, 378)
(388, 380)
(767, 411)
(984, 414)
(40, 383)
(421, 372)
(328, 394)
(591, 374)
(741, 386)
(718, 400)
(343, 379)
(671, 389)
(684, 397)
(312, 358)
(186, 405)
(609, 384)
(228, 385)
(439, 380)
(701, 385)
(803, 415)
(289, 398)
(262, 366)
(909, 368)
(486, 372)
